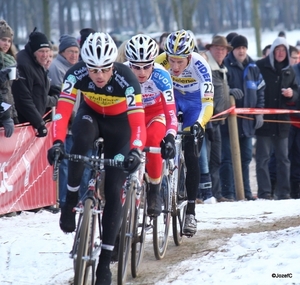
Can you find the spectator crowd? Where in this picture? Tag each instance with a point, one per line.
(271, 82)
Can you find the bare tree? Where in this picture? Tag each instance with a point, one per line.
(256, 24)
(200, 16)
(46, 18)
(157, 14)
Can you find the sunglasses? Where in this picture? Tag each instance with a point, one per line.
(140, 67)
(100, 69)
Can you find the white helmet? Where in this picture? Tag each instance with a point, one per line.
(141, 48)
(99, 49)
(179, 43)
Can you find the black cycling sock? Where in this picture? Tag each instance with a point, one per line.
(190, 210)
(72, 197)
(103, 273)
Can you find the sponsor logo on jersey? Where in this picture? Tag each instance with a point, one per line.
(186, 73)
(103, 100)
(151, 98)
(129, 91)
(71, 78)
(80, 73)
(91, 86)
(109, 89)
(162, 79)
(187, 80)
(151, 95)
(203, 70)
(87, 117)
(137, 143)
(121, 81)
(148, 88)
(57, 117)
(119, 157)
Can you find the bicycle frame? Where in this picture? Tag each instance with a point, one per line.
(133, 226)
(177, 175)
(88, 237)
(86, 247)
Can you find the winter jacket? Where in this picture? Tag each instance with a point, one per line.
(7, 60)
(221, 88)
(248, 79)
(58, 69)
(31, 91)
(275, 81)
(295, 118)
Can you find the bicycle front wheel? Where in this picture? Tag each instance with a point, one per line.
(81, 261)
(161, 223)
(138, 244)
(179, 205)
(127, 231)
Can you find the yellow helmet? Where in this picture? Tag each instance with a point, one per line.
(179, 43)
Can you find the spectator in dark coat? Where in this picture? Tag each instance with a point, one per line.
(216, 53)
(281, 91)
(7, 59)
(31, 92)
(243, 77)
(294, 143)
(5, 117)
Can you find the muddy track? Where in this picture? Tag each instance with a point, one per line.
(202, 243)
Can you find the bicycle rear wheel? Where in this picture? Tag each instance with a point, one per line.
(138, 244)
(179, 204)
(83, 235)
(126, 235)
(161, 223)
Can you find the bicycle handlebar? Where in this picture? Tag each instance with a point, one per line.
(94, 161)
(55, 165)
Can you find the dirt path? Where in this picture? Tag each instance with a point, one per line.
(202, 243)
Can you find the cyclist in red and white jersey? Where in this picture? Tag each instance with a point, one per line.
(112, 109)
(193, 90)
(160, 110)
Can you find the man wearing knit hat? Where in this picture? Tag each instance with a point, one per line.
(230, 36)
(31, 93)
(84, 33)
(243, 76)
(67, 57)
(68, 54)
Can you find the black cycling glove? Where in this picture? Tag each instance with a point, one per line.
(167, 146)
(132, 161)
(56, 152)
(197, 130)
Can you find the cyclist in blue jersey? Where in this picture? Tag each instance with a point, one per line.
(193, 90)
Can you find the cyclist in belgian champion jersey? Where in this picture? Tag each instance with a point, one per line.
(160, 110)
(193, 90)
(112, 109)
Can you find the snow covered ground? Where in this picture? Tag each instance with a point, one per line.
(34, 251)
